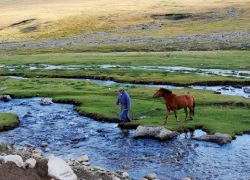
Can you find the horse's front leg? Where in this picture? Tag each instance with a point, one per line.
(176, 116)
(167, 113)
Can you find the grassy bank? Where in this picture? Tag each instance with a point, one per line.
(232, 60)
(89, 66)
(8, 121)
(214, 113)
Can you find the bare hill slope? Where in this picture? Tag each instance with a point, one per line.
(125, 25)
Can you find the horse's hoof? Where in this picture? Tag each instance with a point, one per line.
(177, 123)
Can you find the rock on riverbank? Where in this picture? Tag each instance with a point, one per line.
(39, 168)
(5, 98)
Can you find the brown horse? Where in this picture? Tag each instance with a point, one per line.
(174, 102)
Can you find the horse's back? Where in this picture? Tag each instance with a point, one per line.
(190, 100)
(185, 100)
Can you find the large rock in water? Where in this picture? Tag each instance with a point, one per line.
(246, 90)
(216, 138)
(59, 169)
(155, 132)
(5, 98)
(45, 101)
(151, 176)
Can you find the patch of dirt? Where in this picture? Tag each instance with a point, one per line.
(22, 22)
(172, 16)
(9, 171)
(29, 29)
(88, 175)
(40, 172)
(99, 117)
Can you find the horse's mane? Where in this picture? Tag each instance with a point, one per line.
(165, 90)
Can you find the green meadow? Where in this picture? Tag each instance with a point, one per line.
(226, 60)
(232, 60)
(213, 113)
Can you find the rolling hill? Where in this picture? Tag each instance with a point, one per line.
(106, 25)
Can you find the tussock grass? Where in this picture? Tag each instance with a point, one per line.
(8, 121)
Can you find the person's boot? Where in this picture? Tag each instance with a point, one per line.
(128, 120)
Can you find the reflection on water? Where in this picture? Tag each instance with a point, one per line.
(70, 136)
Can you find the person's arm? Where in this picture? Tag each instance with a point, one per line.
(117, 102)
(128, 102)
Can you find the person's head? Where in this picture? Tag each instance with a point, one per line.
(121, 90)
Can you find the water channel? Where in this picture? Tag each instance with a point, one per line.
(200, 71)
(227, 90)
(70, 135)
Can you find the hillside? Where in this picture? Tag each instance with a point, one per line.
(106, 25)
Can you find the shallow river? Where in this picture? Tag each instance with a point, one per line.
(70, 136)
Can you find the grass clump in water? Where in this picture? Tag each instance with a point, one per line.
(8, 121)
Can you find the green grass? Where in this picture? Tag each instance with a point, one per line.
(233, 60)
(225, 119)
(132, 76)
(8, 121)
(214, 113)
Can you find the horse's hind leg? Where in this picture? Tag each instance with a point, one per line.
(176, 116)
(191, 113)
(186, 112)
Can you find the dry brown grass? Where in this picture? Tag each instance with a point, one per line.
(63, 17)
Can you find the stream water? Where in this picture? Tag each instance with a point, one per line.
(187, 70)
(70, 135)
(227, 90)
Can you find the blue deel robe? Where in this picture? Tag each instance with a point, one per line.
(125, 102)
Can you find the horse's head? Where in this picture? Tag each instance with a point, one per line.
(162, 92)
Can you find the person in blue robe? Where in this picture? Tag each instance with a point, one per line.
(125, 102)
